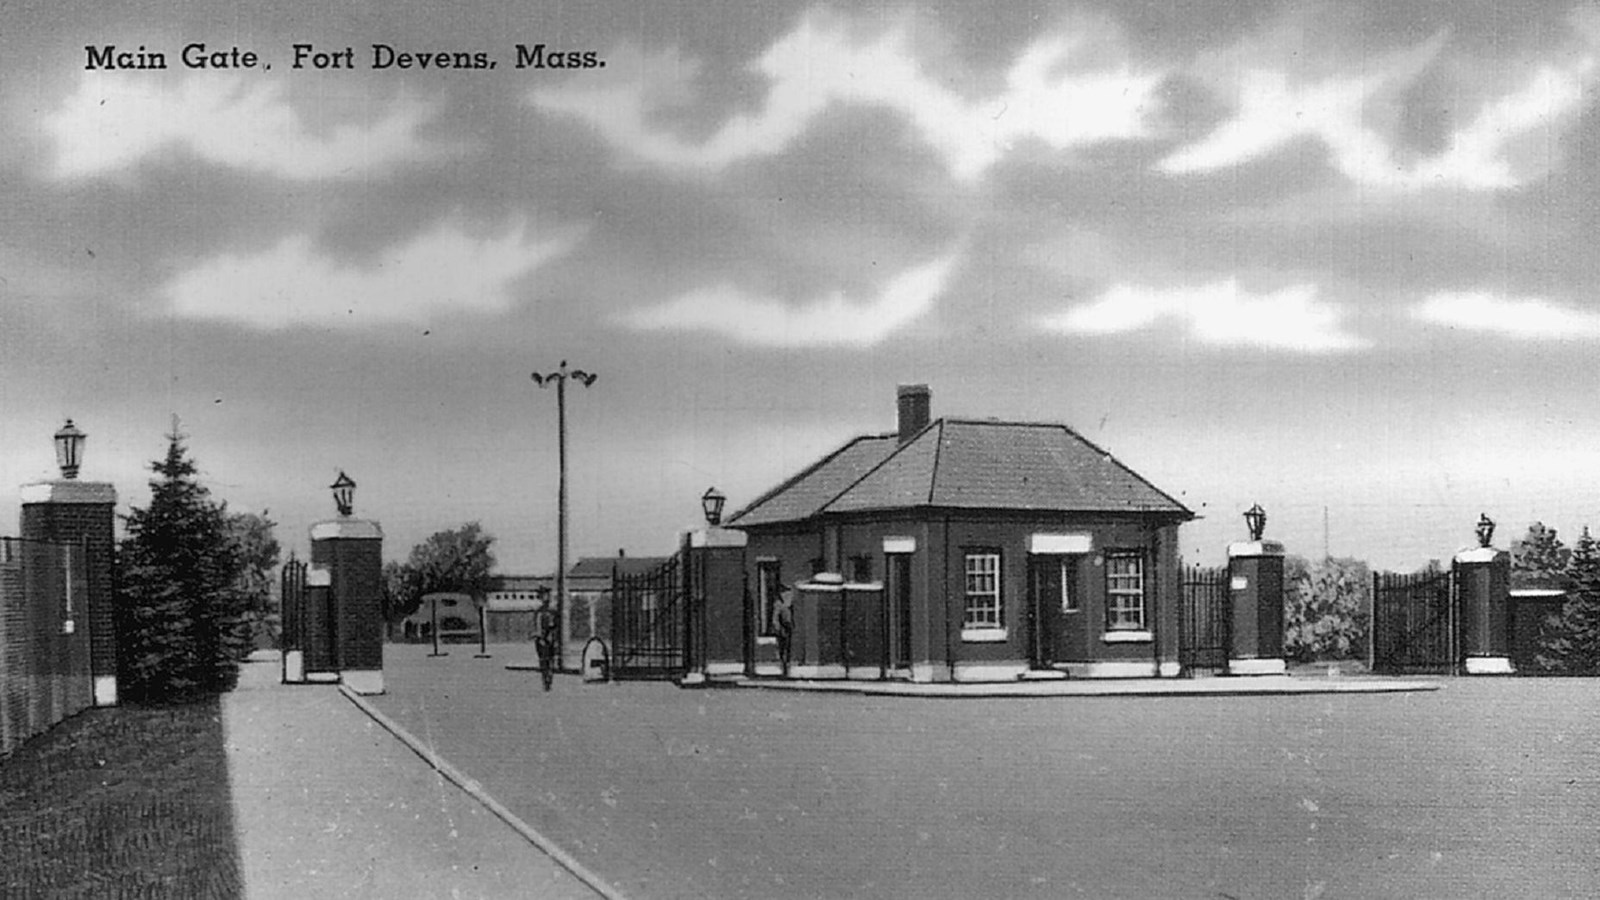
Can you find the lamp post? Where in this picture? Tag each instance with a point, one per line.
(559, 378)
(711, 504)
(1255, 519)
(69, 449)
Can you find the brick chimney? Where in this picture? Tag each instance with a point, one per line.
(915, 402)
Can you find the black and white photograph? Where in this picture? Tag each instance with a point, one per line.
(926, 449)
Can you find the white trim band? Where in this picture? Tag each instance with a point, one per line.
(346, 529)
(105, 690)
(319, 576)
(1478, 555)
(716, 536)
(1257, 667)
(69, 492)
(1060, 543)
(984, 635)
(899, 545)
(1490, 665)
(1255, 548)
(724, 668)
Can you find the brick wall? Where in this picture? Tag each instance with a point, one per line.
(44, 662)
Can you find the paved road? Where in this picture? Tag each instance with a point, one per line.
(329, 805)
(1485, 788)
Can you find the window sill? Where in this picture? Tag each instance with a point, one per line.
(983, 635)
(1128, 637)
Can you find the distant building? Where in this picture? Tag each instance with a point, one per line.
(513, 599)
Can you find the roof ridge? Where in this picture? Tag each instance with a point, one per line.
(1124, 467)
(803, 474)
(881, 463)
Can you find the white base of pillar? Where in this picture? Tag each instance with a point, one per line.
(366, 682)
(927, 673)
(766, 668)
(294, 668)
(1170, 668)
(982, 672)
(1257, 667)
(693, 678)
(725, 668)
(105, 690)
(321, 678)
(1490, 665)
(829, 670)
(1113, 668)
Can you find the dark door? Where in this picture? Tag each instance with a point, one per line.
(1057, 632)
(1044, 581)
(897, 593)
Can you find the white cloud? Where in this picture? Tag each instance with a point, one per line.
(1272, 110)
(295, 283)
(831, 320)
(114, 120)
(1528, 318)
(1220, 313)
(820, 65)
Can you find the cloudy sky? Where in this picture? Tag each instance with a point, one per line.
(1327, 257)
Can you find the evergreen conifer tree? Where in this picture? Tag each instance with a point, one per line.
(1540, 555)
(1572, 645)
(181, 616)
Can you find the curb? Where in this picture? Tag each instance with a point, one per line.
(477, 792)
(976, 690)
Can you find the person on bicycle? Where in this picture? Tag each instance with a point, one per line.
(547, 639)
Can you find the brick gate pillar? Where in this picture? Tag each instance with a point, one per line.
(82, 513)
(1483, 584)
(716, 603)
(1255, 581)
(347, 563)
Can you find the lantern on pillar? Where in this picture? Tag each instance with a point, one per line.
(69, 449)
(1485, 530)
(344, 490)
(711, 504)
(1255, 519)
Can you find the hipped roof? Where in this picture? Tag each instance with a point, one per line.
(964, 464)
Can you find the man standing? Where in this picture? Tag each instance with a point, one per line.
(547, 640)
(783, 613)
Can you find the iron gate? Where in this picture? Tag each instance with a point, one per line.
(650, 622)
(1415, 623)
(1205, 629)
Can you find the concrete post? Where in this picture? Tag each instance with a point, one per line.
(350, 553)
(1483, 582)
(716, 603)
(1255, 574)
(83, 513)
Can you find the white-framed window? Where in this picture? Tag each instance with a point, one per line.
(982, 590)
(769, 583)
(1125, 593)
